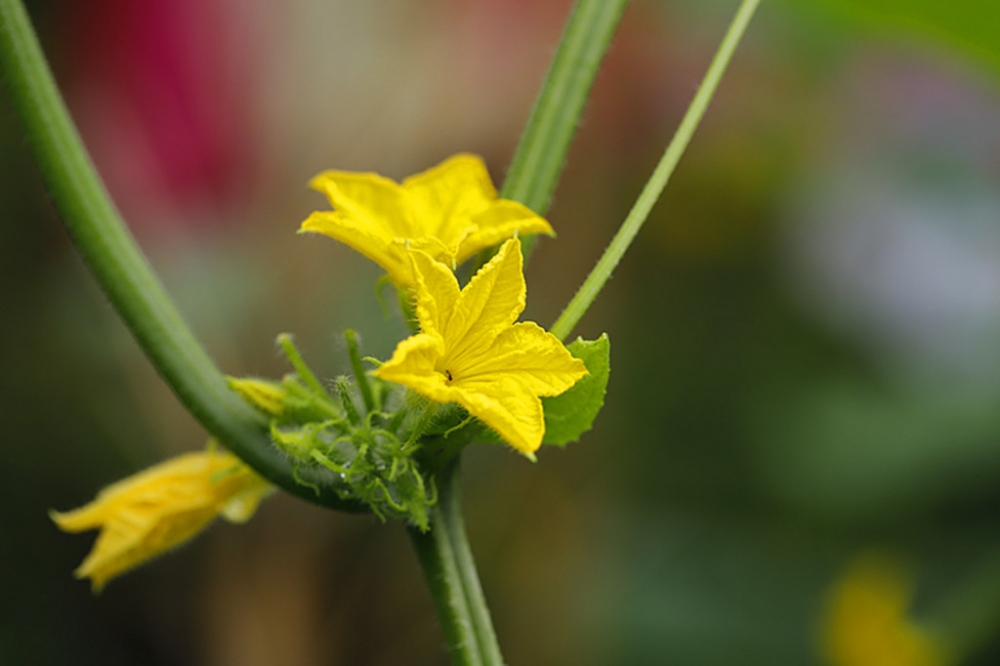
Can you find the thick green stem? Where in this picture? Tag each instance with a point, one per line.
(541, 151)
(654, 187)
(451, 575)
(119, 266)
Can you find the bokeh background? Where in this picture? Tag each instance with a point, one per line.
(805, 336)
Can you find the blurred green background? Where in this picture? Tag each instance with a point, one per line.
(805, 336)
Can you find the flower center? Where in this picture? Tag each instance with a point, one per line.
(442, 367)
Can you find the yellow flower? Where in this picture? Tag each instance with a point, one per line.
(471, 352)
(866, 621)
(451, 211)
(160, 508)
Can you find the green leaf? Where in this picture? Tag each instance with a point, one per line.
(972, 26)
(571, 414)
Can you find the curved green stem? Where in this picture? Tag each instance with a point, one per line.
(120, 267)
(450, 571)
(654, 187)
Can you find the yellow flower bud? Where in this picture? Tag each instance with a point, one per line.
(269, 397)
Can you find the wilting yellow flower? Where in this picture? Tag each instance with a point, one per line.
(866, 621)
(160, 508)
(451, 211)
(471, 352)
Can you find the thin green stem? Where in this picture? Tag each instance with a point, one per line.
(119, 266)
(291, 352)
(451, 576)
(360, 376)
(347, 401)
(654, 187)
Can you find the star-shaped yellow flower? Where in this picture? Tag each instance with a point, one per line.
(471, 352)
(160, 508)
(451, 211)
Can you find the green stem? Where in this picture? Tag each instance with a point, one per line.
(360, 376)
(119, 266)
(541, 151)
(654, 187)
(482, 622)
(294, 357)
(448, 566)
(531, 179)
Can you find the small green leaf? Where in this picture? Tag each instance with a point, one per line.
(571, 414)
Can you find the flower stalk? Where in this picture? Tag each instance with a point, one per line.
(450, 570)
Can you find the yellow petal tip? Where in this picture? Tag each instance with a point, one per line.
(158, 509)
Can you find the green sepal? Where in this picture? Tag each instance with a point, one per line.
(304, 405)
(570, 414)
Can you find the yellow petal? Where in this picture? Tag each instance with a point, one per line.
(371, 241)
(370, 201)
(413, 365)
(499, 222)
(436, 290)
(489, 304)
(507, 405)
(431, 246)
(444, 199)
(502, 402)
(160, 508)
(119, 547)
(529, 353)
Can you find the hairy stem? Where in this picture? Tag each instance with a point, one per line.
(450, 571)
